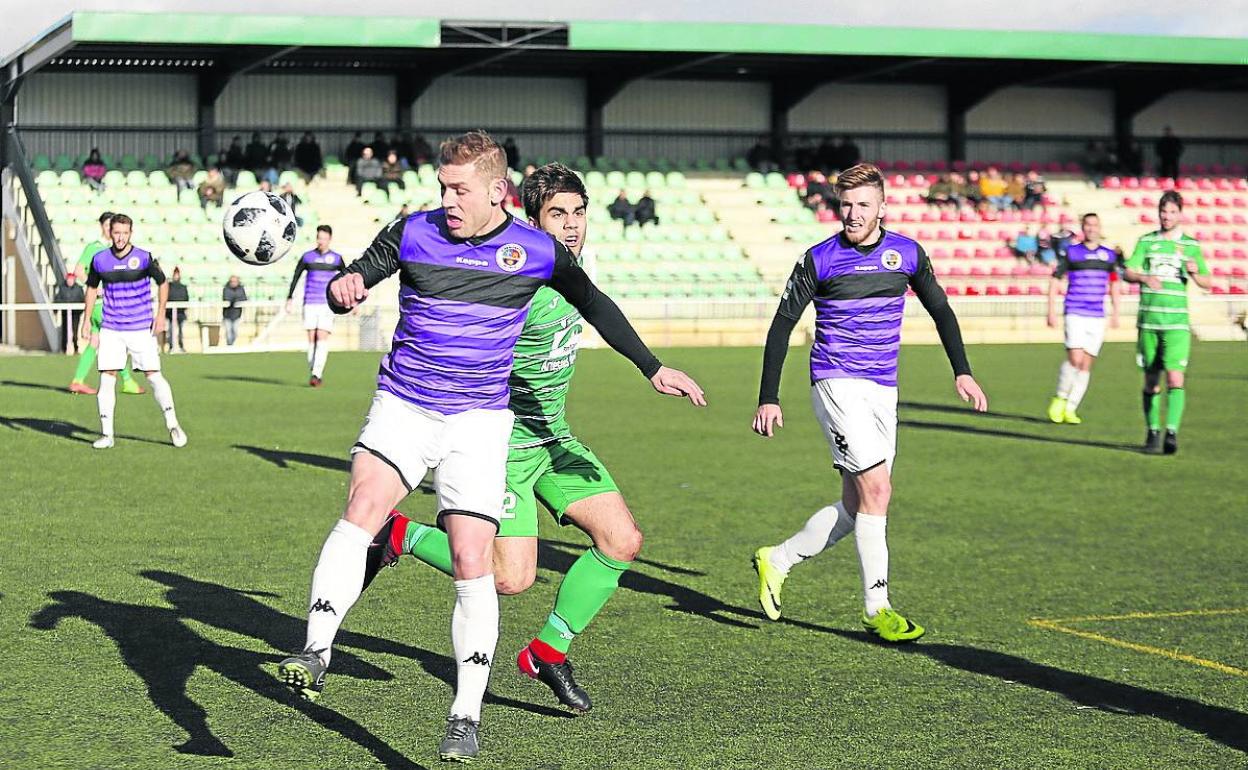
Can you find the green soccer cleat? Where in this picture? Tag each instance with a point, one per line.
(770, 581)
(304, 674)
(1071, 418)
(889, 625)
(132, 388)
(1057, 410)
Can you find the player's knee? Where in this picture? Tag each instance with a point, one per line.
(1174, 379)
(510, 584)
(875, 493)
(628, 544)
(470, 560)
(366, 510)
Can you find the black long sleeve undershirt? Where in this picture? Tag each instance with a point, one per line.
(774, 353)
(299, 268)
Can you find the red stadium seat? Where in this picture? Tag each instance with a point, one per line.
(978, 272)
(944, 235)
(1034, 290)
(1003, 252)
(940, 253)
(982, 254)
(1239, 237)
(1239, 254)
(1149, 183)
(922, 165)
(1238, 290)
(1221, 272)
(993, 291)
(1218, 289)
(929, 216)
(957, 270)
(1221, 219)
(971, 291)
(1128, 202)
(952, 291)
(1131, 183)
(1014, 290)
(999, 271)
(1239, 272)
(940, 165)
(1020, 271)
(1112, 183)
(961, 254)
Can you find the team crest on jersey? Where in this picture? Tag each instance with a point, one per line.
(133, 263)
(891, 259)
(511, 257)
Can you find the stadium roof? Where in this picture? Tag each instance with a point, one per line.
(613, 50)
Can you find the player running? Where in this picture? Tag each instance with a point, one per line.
(87, 357)
(1162, 263)
(321, 264)
(857, 280)
(468, 272)
(1089, 269)
(128, 325)
(545, 463)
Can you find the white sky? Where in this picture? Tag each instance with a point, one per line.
(22, 20)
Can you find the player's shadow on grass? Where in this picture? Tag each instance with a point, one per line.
(998, 433)
(1223, 725)
(63, 429)
(962, 410)
(251, 380)
(284, 459)
(35, 386)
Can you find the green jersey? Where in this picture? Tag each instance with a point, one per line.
(1155, 254)
(91, 249)
(545, 358)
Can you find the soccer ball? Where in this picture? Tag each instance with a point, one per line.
(259, 228)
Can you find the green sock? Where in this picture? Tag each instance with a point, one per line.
(583, 592)
(1152, 410)
(429, 544)
(1176, 399)
(86, 360)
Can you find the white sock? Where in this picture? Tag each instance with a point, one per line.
(106, 397)
(474, 635)
(164, 397)
(822, 530)
(318, 360)
(873, 556)
(1082, 379)
(311, 353)
(1066, 379)
(336, 584)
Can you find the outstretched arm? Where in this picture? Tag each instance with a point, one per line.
(378, 262)
(937, 305)
(798, 292)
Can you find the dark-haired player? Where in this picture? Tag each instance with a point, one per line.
(321, 264)
(1162, 263)
(857, 280)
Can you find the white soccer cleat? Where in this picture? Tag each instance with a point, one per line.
(103, 442)
(178, 435)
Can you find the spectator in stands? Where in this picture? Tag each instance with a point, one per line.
(352, 153)
(1169, 149)
(402, 146)
(1131, 157)
(421, 151)
(1033, 191)
(829, 154)
(176, 317)
(762, 157)
(1098, 161)
(849, 155)
(256, 156)
(380, 145)
(1026, 246)
(392, 172)
(645, 211)
(1047, 254)
(512, 152)
(823, 213)
(308, 157)
(817, 189)
(367, 169)
(993, 187)
(233, 293)
(1017, 189)
(181, 170)
(70, 292)
(621, 209)
(231, 159)
(280, 153)
(212, 189)
(942, 193)
(293, 200)
(93, 170)
(971, 190)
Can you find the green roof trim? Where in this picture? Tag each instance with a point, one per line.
(902, 41)
(245, 29)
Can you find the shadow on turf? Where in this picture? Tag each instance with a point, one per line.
(250, 380)
(36, 386)
(953, 409)
(1228, 727)
(158, 646)
(66, 430)
(998, 433)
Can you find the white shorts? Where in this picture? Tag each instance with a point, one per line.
(318, 317)
(1085, 333)
(859, 420)
(114, 345)
(467, 452)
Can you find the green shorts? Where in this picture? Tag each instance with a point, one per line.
(1165, 350)
(558, 475)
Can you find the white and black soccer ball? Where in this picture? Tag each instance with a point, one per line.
(259, 228)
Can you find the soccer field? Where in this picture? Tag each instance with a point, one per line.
(1086, 605)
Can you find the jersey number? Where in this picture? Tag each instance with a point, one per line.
(509, 505)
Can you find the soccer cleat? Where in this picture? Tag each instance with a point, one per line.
(1057, 409)
(770, 581)
(103, 442)
(1152, 442)
(460, 743)
(889, 625)
(83, 388)
(1171, 444)
(556, 676)
(304, 673)
(132, 388)
(314, 381)
(382, 552)
(1071, 418)
(178, 436)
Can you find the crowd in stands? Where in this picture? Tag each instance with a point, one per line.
(641, 213)
(989, 191)
(827, 154)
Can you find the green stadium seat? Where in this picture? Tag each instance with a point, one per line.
(165, 196)
(128, 163)
(150, 163)
(64, 163)
(114, 178)
(70, 179)
(656, 180)
(754, 180)
(246, 181)
(47, 178)
(158, 179)
(616, 179)
(635, 180)
(41, 162)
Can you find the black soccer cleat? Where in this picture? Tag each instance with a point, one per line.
(556, 676)
(1171, 445)
(381, 552)
(1152, 443)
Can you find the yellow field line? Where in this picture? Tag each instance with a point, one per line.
(1055, 625)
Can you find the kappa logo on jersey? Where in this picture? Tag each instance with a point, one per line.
(320, 605)
(511, 257)
(133, 263)
(479, 658)
(891, 259)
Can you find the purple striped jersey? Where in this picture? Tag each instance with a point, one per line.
(1087, 272)
(320, 269)
(462, 305)
(127, 287)
(859, 295)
